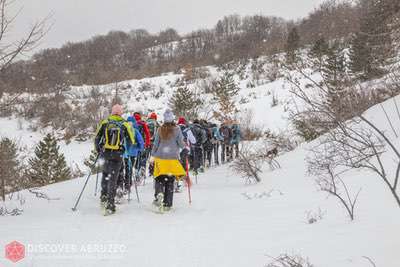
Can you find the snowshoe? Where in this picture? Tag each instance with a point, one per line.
(178, 187)
(108, 210)
(167, 208)
(119, 196)
(103, 202)
(159, 203)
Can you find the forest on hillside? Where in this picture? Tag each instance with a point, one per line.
(119, 56)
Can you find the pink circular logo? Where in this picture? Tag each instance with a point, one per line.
(15, 251)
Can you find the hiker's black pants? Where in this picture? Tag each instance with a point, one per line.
(197, 155)
(165, 184)
(216, 156)
(111, 172)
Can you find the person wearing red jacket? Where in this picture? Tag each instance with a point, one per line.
(143, 129)
(141, 160)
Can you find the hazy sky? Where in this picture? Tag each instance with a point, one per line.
(75, 20)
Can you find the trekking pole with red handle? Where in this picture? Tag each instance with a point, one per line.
(188, 182)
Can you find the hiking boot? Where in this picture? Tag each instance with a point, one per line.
(103, 201)
(109, 211)
(120, 193)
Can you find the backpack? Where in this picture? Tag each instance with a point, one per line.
(226, 133)
(153, 125)
(200, 134)
(184, 131)
(113, 135)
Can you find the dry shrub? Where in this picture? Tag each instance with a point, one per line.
(286, 260)
(248, 164)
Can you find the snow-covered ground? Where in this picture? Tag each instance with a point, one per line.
(228, 223)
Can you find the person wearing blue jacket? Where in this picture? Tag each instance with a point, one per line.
(217, 138)
(236, 138)
(130, 155)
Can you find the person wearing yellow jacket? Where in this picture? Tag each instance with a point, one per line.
(111, 137)
(168, 143)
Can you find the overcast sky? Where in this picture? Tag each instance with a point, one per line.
(76, 20)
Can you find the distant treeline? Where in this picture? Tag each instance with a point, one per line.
(126, 55)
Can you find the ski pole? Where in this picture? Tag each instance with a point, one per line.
(188, 180)
(137, 171)
(84, 186)
(97, 181)
(130, 178)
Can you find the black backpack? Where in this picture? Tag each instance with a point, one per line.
(200, 134)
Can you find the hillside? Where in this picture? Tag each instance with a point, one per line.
(228, 224)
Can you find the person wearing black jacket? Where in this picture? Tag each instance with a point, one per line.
(201, 138)
(208, 145)
(226, 151)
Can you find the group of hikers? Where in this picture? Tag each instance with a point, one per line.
(134, 147)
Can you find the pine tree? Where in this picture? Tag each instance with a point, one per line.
(372, 46)
(185, 103)
(48, 166)
(318, 51)
(225, 90)
(334, 68)
(335, 77)
(292, 46)
(9, 167)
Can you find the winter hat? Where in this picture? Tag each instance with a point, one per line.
(117, 110)
(153, 116)
(181, 120)
(169, 116)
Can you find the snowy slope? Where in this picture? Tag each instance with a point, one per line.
(228, 223)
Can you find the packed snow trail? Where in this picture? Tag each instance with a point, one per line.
(228, 224)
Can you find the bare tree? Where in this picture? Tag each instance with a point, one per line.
(11, 50)
(328, 181)
(351, 139)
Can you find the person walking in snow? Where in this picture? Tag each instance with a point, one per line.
(216, 140)
(111, 135)
(165, 153)
(197, 152)
(226, 133)
(145, 132)
(190, 141)
(207, 146)
(153, 126)
(235, 140)
(130, 159)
